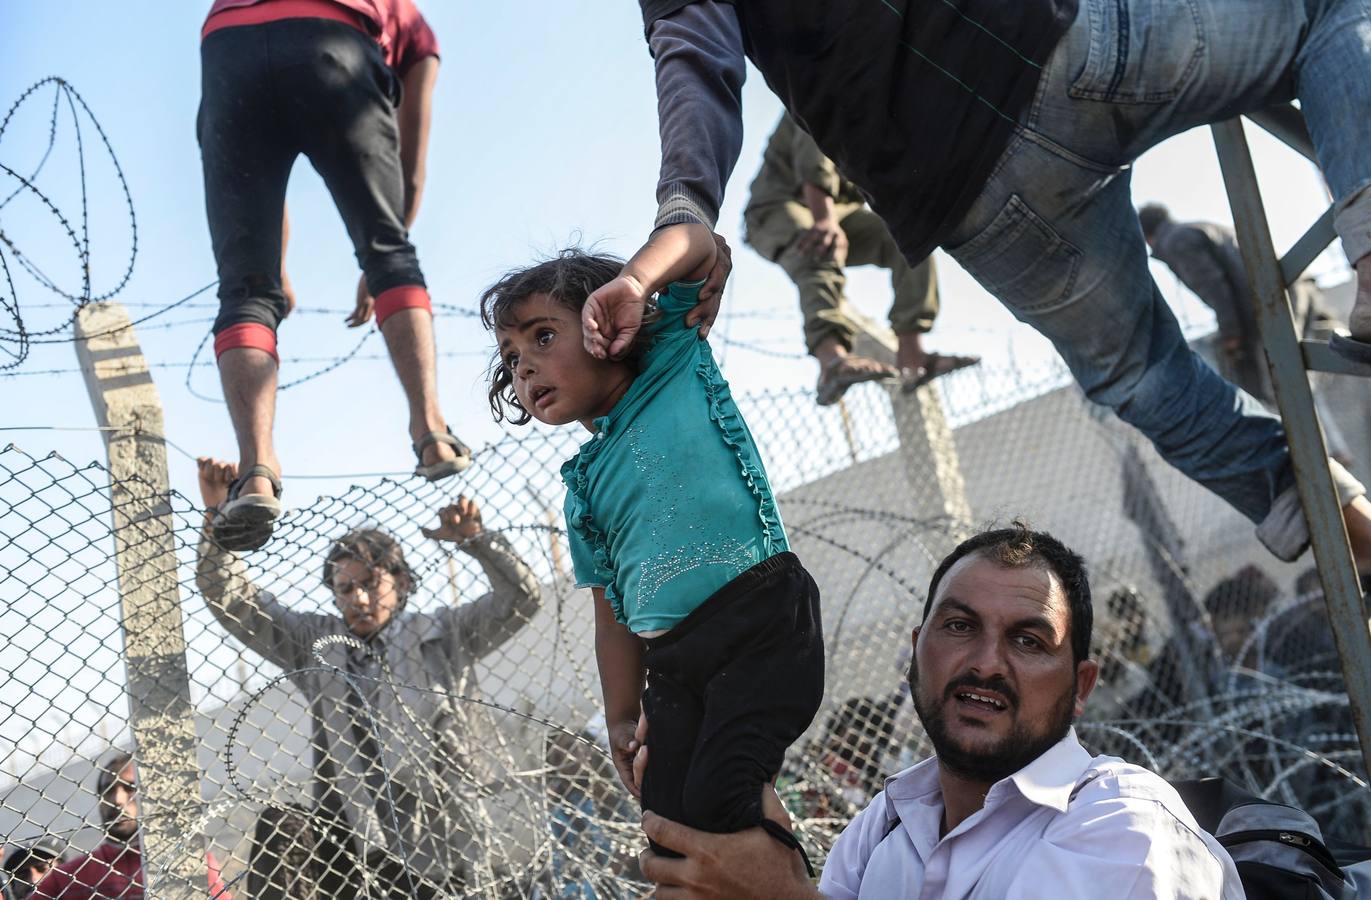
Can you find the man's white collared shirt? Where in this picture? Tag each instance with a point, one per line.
(1065, 826)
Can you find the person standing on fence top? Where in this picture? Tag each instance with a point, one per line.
(805, 216)
(115, 868)
(392, 764)
(1011, 805)
(348, 83)
(1005, 133)
(705, 623)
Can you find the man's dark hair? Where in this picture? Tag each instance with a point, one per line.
(568, 278)
(1152, 216)
(375, 549)
(1019, 547)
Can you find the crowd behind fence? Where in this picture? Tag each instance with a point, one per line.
(1216, 659)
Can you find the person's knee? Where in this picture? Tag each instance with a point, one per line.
(249, 323)
(400, 297)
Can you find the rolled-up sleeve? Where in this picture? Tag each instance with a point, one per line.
(700, 72)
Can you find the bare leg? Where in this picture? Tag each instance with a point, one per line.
(910, 355)
(409, 338)
(249, 379)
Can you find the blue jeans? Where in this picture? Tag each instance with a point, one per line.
(1055, 237)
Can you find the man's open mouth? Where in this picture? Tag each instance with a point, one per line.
(982, 701)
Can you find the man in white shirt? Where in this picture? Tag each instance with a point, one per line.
(1011, 806)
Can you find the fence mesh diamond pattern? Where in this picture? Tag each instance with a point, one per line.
(461, 751)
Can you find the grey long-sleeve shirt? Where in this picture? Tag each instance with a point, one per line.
(423, 735)
(700, 72)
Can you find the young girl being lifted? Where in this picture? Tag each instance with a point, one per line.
(672, 524)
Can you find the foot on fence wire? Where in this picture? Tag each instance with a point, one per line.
(245, 521)
(935, 365)
(842, 372)
(443, 468)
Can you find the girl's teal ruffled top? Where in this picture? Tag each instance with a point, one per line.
(668, 501)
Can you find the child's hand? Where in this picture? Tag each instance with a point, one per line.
(612, 316)
(459, 522)
(624, 744)
(215, 478)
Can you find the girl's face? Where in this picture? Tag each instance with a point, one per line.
(555, 379)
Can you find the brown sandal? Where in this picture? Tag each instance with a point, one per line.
(444, 468)
(936, 365)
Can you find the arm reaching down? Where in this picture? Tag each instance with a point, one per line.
(700, 70)
(700, 73)
(415, 115)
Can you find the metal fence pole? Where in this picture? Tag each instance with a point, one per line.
(160, 711)
(1332, 553)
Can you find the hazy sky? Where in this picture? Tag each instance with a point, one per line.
(544, 133)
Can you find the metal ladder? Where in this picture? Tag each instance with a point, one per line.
(1290, 359)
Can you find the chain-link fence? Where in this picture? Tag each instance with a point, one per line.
(461, 753)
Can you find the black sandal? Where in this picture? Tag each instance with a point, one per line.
(246, 521)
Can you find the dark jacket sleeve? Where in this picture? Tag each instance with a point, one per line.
(700, 71)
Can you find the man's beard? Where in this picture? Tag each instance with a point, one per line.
(122, 828)
(1006, 756)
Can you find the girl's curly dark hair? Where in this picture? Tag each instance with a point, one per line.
(569, 278)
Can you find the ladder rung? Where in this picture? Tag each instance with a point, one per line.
(1319, 357)
(1308, 247)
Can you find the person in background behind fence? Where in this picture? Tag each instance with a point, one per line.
(705, 623)
(1006, 133)
(1205, 257)
(26, 864)
(348, 83)
(1011, 805)
(115, 868)
(392, 764)
(805, 216)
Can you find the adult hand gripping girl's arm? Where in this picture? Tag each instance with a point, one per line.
(613, 314)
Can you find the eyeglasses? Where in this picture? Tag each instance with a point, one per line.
(346, 588)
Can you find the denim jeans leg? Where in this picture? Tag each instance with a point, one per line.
(1056, 239)
(1334, 86)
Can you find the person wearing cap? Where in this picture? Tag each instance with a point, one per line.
(26, 864)
(397, 770)
(349, 84)
(803, 215)
(115, 868)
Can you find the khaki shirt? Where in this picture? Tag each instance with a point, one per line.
(792, 160)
